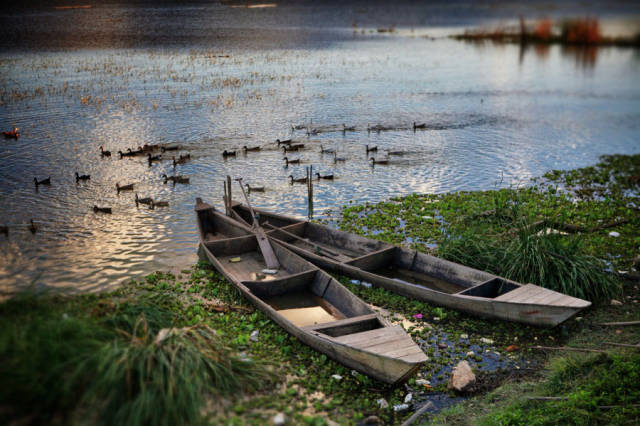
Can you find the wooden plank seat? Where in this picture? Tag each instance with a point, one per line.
(533, 294)
(388, 341)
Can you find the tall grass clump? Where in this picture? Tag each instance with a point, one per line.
(164, 378)
(552, 261)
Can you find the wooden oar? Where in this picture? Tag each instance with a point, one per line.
(332, 254)
(265, 247)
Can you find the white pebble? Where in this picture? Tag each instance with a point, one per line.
(614, 234)
(336, 377)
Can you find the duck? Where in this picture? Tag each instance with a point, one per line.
(181, 179)
(396, 152)
(80, 177)
(337, 159)
(252, 149)
(146, 200)
(152, 158)
(46, 181)
(374, 161)
(124, 187)
(326, 151)
(372, 149)
(226, 153)
(291, 148)
(169, 148)
(104, 153)
(178, 161)
(286, 141)
(185, 156)
(346, 129)
(419, 126)
(254, 188)
(33, 227)
(298, 180)
(328, 177)
(129, 153)
(294, 161)
(155, 204)
(145, 148)
(12, 134)
(97, 209)
(4, 230)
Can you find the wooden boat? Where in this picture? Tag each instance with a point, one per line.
(307, 302)
(417, 275)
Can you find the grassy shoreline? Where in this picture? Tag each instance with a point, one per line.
(260, 370)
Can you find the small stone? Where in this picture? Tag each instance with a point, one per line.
(512, 348)
(331, 422)
(408, 398)
(442, 346)
(471, 353)
(578, 318)
(436, 318)
(614, 234)
(462, 377)
(615, 302)
(336, 377)
(254, 335)
(372, 420)
(464, 336)
(279, 419)
(382, 403)
(354, 373)
(618, 331)
(422, 382)
(400, 407)
(486, 341)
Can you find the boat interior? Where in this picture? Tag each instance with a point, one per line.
(298, 291)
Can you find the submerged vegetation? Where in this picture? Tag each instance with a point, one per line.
(186, 348)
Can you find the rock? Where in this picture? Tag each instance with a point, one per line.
(279, 419)
(400, 407)
(372, 420)
(436, 318)
(254, 335)
(614, 234)
(382, 403)
(336, 377)
(464, 336)
(486, 341)
(331, 422)
(512, 348)
(471, 353)
(408, 398)
(354, 373)
(442, 346)
(422, 382)
(462, 378)
(615, 302)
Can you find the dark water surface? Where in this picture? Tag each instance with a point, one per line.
(213, 77)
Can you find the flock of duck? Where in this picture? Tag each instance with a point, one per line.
(155, 153)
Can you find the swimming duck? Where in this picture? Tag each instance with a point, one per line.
(290, 148)
(337, 159)
(348, 129)
(396, 152)
(181, 179)
(328, 177)
(252, 149)
(226, 153)
(372, 149)
(152, 158)
(185, 156)
(129, 153)
(82, 177)
(294, 161)
(374, 161)
(169, 148)
(12, 134)
(299, 180)
(419, 126)
(326, 151)
(105, 153)
(97, 209)
(155, 204)
(46, 181)
(124, 187)
(254, 188)
(145, 148)
(178, 161)
(146, 200)
(33, 227)
(286, 141)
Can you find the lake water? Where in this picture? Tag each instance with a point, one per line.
(216, 77)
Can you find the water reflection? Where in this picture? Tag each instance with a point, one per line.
(485, 116)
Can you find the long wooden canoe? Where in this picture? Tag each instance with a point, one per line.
(307, 302)
(417, 275)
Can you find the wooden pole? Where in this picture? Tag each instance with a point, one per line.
(226, 200)
(620, 323)
(229, 194)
